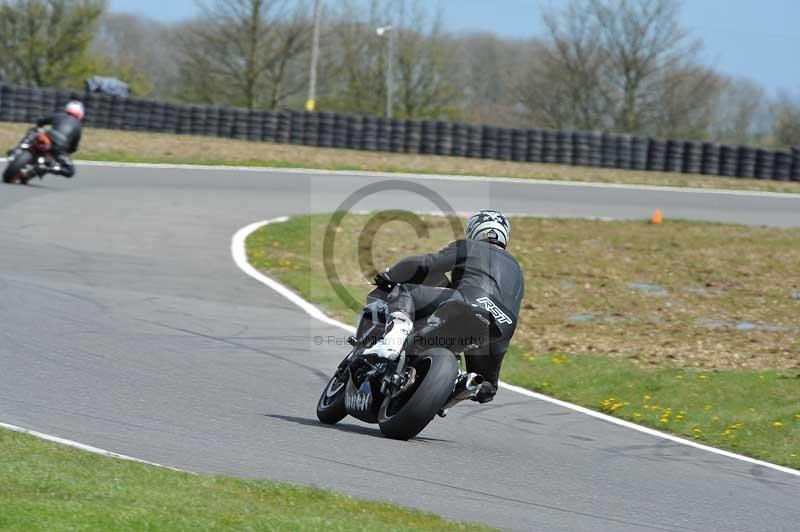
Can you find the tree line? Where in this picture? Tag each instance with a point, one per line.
(614, 65)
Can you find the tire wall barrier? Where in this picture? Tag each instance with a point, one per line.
(429, 137)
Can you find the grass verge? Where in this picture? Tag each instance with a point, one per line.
(128, 146)
(46, 486)
(686, 327)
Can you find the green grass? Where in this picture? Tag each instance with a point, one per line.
(667, 356)
(50, 487)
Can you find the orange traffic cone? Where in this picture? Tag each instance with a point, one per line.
(657, 217)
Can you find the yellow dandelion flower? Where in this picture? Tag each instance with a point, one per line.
(777, 424)
(646, 397)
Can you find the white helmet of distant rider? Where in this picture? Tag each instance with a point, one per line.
(491, 226)
(75, 108)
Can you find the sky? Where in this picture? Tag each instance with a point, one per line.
(758, 39)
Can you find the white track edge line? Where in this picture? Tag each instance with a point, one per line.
(446, 177)
(84, 447)
(239, 253)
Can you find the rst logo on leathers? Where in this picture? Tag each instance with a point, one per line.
(499, 315)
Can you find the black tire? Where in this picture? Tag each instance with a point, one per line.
(15, 167)
(437, 370)
(330, 407)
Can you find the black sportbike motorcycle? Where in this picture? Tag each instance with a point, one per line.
(32, 158)
(403, 396)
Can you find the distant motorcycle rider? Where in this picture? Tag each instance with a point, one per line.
(481, 269)
(65, 135)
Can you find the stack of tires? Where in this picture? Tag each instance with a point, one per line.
(656, 155)
(608, 151)
(310, 129)
(474, 142)
(444, 138)
(283, 127)
(326, 123)
(504, 146)
(519, 145)
(783, 165)
(354, 125)
(428, 145)
(564, 147)
(746, 166)
(624, 149)
(413, 136)
(339, 130)
(535, 146)
(549, 146)
(369, 133)
(459, 140)
(674, 157)
(765, 163)
(297, 125)
(727, 160)
(580, 148)
(692, 157)
(383, 133)
(710, 159)
(639, 151)
(489, 137)
(595, 143)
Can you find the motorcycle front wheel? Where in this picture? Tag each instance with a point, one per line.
(13, 172)
(405, 415)
(330, 407)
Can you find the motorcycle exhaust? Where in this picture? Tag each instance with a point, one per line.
(466, 387)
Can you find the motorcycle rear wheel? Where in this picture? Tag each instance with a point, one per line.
(404, 416)
(13, 172)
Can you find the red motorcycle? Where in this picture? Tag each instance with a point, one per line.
(32, 158)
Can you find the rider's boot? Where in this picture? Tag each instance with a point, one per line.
(397, 330)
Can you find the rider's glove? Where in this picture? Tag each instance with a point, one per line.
(382, 280)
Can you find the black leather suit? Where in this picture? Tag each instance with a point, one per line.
(478, 269)
(65, 134)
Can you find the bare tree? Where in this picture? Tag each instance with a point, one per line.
(488, 67)
(560, 87)
(623, 65)
(137, 50)
(742, 113)
(424, 71)
(46, 42)
(787, 121)
(243, 52)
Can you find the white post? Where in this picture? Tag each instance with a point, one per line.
(311, 103)
(389, 70)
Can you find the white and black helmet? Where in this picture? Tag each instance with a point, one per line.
(489, 225)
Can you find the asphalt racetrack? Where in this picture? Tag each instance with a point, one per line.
(126, 325)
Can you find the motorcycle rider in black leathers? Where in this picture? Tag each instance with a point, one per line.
(64, 133)
(481, 270)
